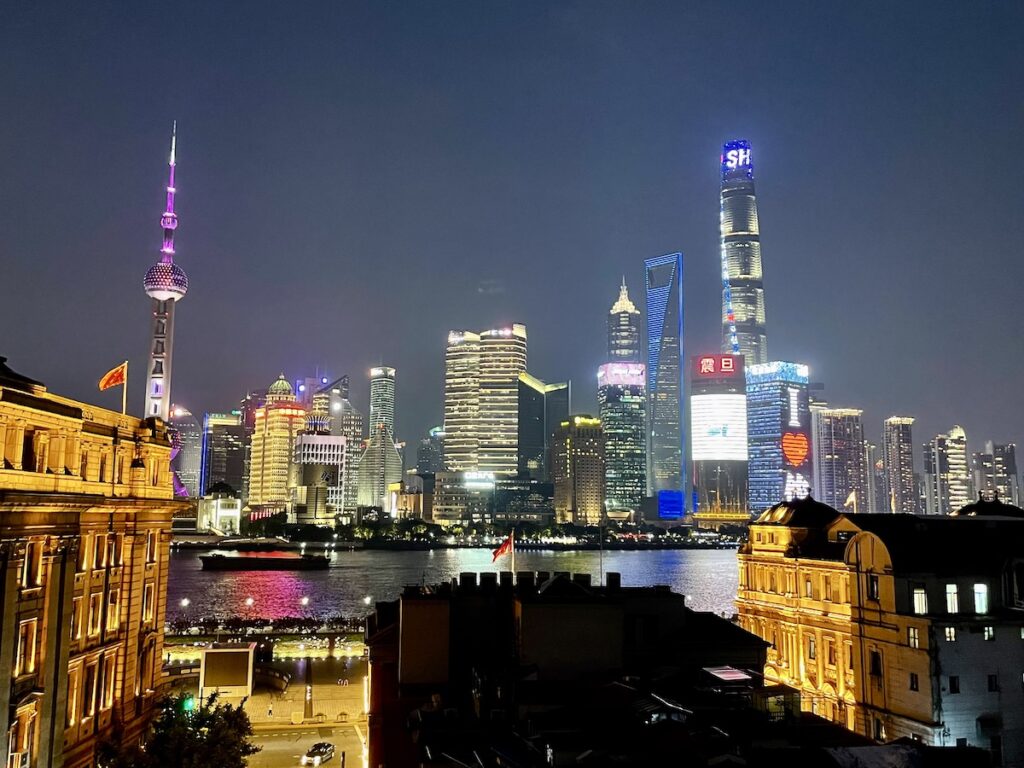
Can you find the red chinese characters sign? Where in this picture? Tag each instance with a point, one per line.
(718, 366)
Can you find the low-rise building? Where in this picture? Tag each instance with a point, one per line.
(895, 625)
(86, 499)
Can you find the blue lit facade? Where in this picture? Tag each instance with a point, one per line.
(778, 433)
(664, 275)
(743, 314)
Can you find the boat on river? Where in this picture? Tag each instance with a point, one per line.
(264, 561)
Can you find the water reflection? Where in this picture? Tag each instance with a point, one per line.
(707, 577)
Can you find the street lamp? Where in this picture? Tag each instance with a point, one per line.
(304, 601)
(185, 602)
(249, 602)
(367, 600)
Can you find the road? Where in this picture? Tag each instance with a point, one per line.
(285, 746)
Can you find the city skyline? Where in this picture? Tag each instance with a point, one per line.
(235, 256)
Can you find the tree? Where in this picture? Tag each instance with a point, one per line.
(189, 734)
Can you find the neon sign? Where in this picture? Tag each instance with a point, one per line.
(737, 158)
(795, 448)
(719, 366)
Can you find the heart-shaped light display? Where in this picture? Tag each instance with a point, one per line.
(794, 448)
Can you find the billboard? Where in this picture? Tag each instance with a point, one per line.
(718, 427)
(717, 367)
(622, 375)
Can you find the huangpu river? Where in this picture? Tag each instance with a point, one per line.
(708, 578)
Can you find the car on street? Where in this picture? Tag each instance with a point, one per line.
(319, 753)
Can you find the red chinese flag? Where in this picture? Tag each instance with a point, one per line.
(504, 549)
(114, 377)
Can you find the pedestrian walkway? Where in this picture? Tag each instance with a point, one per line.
(328, 701)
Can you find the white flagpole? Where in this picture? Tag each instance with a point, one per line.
(512, 539)
(124, 391)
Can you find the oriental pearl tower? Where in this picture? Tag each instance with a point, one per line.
(166, 283)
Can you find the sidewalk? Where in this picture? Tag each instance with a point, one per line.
(330, 702)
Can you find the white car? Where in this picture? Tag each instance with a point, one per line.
(319, 753)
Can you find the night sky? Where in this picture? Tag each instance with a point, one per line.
(354, 179)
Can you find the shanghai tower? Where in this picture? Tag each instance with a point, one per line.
(743, 320)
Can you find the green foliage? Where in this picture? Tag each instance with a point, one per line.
(189, 734)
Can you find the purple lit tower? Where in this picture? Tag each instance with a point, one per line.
(166, 283)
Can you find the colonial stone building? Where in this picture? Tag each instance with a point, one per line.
(895, 625)
(86, 500)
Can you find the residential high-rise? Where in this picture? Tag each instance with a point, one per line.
(86, 501)
(876, 478)
(780, 453)
(188, 442)
(840, 458)
(166, 283)
(899, 490)
(481, 400)
(947, 473)
(743, 316)
(277, 423)
(622, 403)
(382, 400)
(223, 451)
(666, 472)
(994, 472)
(577, 470)
(542, 407)
(624, 329)
(346, 421)
(718, 430)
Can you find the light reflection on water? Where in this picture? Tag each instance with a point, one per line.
(707, 577)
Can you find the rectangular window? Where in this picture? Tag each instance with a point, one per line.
(89, 691)
(981, 598)
(808, 588)
(72, 713)
(989, 633)
(913, 638)
(147, 603)
(954, 684)
(150, 547)
(95, 612)
(920, 601)
(83, 552)
(108, 681)
(849, 656)
(950, 634)
(113, 610)
(812, 650)
(25, 658)
(876, 663)
(993, 683)
(873, 589)
(828, 589)
(952, 599)
(99, 552)
(830, 653)
(914, 683)
(32, 565)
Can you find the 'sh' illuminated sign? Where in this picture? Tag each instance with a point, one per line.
(736, 158)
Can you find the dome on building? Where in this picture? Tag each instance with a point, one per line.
(983, 507)
(166, 280)
(281, 387)
(799, 513)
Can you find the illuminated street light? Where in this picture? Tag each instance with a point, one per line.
(249, 602)
(185, 602)
(367, 600)
(304, 601)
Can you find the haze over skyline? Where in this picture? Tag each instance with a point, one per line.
(355, 180)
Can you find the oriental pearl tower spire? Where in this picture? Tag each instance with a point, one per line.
(166, 283)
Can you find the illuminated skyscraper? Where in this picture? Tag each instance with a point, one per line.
(223, 451)
(624, 329)
(430, 453)
(995, 472)
(899, 491)
(542, 407)
(664, 374)
(947, 474)
(188, 441)
(382, 400)
(165, 283)
(718, 431)
(346, 421)
(779, 450)
(577, 470)
(840, 459)
(743, 316)
(277, 423)
(622, 400)
(481, 403)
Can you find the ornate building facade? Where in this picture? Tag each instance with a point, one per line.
(86, 499)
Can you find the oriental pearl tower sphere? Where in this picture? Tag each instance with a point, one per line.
(166, 283)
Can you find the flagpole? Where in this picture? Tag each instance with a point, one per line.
(124, 391)
(512, 538)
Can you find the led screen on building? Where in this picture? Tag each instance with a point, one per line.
(622, 375)
(718, 425)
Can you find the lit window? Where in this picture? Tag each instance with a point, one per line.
(147, 603)
(99, 551)
(920, 601)
(981, 598)
(808, 588)
(914, 683)
(32, 565)
(989, 633)
(95, 611)
(113, 612)
(913, 638)
(951, 634)
(954, 684)
(811, 648)
(89, 692)
(952, 599)
(873, 589)
(25, 658)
